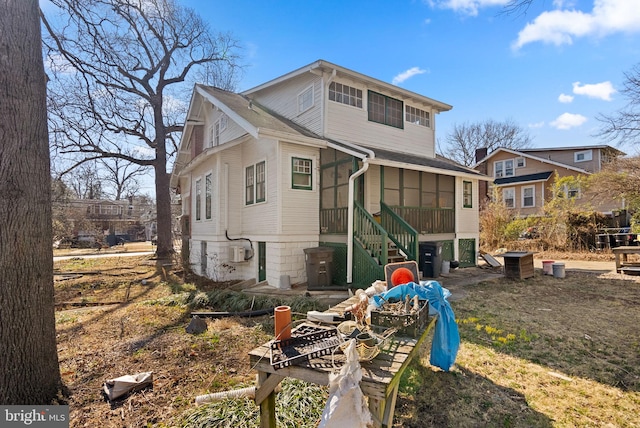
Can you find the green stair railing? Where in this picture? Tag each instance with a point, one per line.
(400, 232)
(366, 269)
(370, 234)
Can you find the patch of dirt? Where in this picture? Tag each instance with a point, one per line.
(97, 342)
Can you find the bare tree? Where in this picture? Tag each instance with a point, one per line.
(119, 68)
(84, 181)
(618, 179)
(29, 371)
(465, 139)
(121, 177)
(623, 126)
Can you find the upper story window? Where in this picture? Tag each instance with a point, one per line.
(207, 196)
(255, 183)
(198, 194)
(467, 194)
(223, 122)
(305, 99)
(216, 134)
(386, 110)
(301, 173)
(345, 94)
(503, 168)
(520, 163)
(583, 156)
(417, 116)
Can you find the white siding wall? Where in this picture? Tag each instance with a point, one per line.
(467, 219)
(300, 209)
(261, 217)
(352, 124)
(283, 99)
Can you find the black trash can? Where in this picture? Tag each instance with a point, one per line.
(319, 265)
(430, 259)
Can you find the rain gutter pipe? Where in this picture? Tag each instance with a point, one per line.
(350, 212)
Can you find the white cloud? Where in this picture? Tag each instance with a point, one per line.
(467, 7)
(568, 121)
(564, 98)
(560, 27)
(536, 125)
(407, 74)
(602, 90)
(144, 151)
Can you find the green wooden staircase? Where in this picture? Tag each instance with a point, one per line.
(377, 243)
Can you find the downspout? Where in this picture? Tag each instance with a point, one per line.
(352, 180)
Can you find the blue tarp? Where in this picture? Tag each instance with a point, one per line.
(446, 338)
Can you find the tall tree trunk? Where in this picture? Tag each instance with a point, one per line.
(29, 371)
(164, 247)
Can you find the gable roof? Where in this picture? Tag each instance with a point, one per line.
(255, 119)
(519, 179)
(321, 66)
(568, 148)
(530, 156)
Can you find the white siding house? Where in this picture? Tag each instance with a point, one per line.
(322, 156)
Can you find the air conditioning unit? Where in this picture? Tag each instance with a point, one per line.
(236, 254)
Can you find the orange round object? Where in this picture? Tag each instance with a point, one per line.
(401, 276)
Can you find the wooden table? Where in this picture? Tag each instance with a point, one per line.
(621, 253)
(380, 377)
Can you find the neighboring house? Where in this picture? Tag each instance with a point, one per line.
(97, 219)
(322, 156)
(525, 177)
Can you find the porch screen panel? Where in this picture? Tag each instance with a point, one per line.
(342, 184)
(446, 187)
(411, 188)
(429, 190)
(328, 188)
(392, 186)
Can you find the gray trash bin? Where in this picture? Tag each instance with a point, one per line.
(319, 264)
(430, 258)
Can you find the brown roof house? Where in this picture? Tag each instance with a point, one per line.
(525, 177)
(321, 175)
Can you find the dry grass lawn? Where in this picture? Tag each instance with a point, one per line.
(540, 352)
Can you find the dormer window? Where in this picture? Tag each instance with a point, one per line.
(583, 156)
(305, 100)
(385, 110)
(345, 94)
(417, 116)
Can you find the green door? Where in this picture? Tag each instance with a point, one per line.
(467, 252)
(262, 261)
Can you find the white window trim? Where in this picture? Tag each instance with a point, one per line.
(223, 122)
(313, 172)
(521, 159)
(210, 138)
(204, 196)
(533, 187)
(255, 183)
(504, 190)
(300, 108)
(588, 156)
(566, 192)
(195, 199)
(504, 168)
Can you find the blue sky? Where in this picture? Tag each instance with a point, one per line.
(551, 70)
